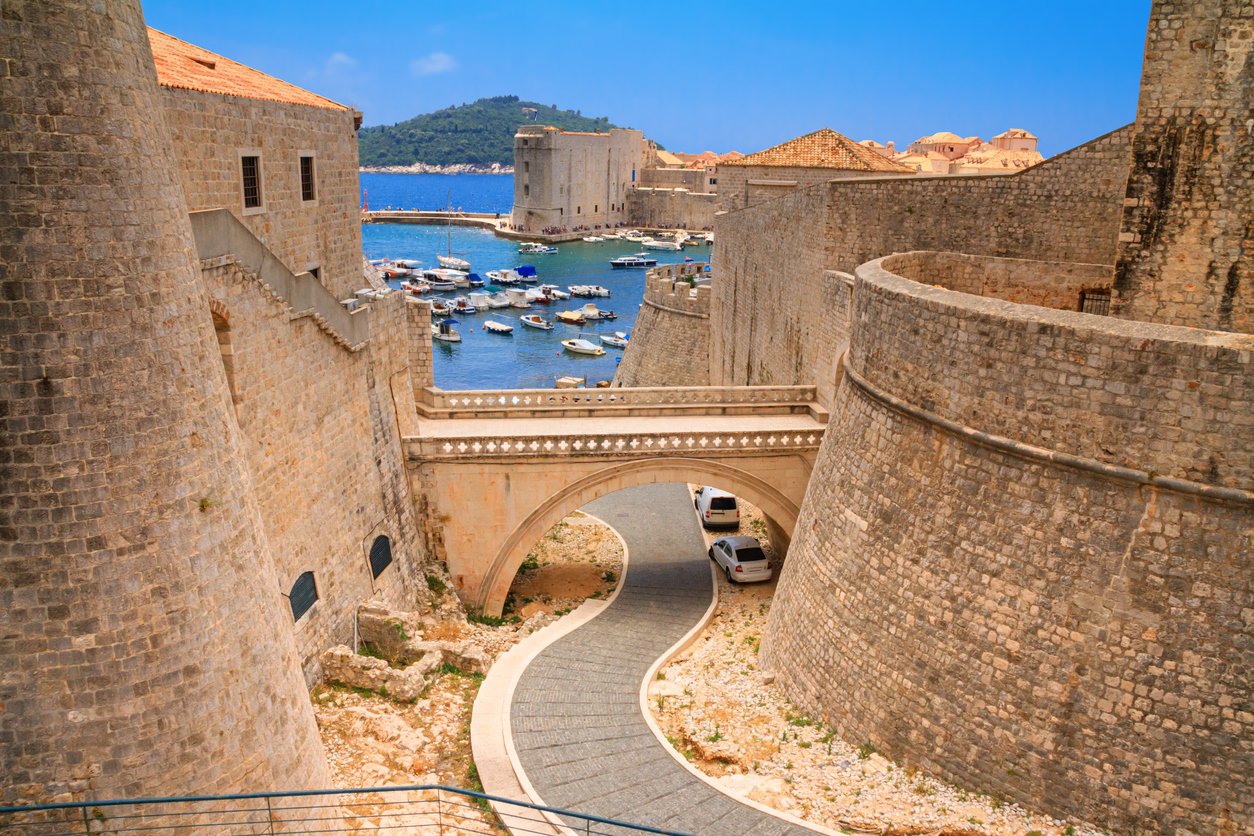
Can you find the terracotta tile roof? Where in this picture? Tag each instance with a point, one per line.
(188, 67)
(822, 149)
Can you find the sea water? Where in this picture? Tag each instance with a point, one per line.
(527, 358)
(463, 192)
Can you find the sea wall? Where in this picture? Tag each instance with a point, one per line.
(321, 426)
(1049, 605)
(670, 343)
(670, 208)
(777, 316)
(741, 186)
(209, 132)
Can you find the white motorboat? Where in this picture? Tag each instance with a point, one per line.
(408, 263)
(536, 321)
(579, 346)
(416, 287)
(441, 308)
(592, 313)
(594, 239)
(503, 277)
(437, 280)
(658, 244)
(636, 260)
(462, 305)
(633, 235)
(618, 339)
(709, 237)
(494, 327)
(453, 263)
(589, 291)
(443, 331)
(535, 248)
(538, 296)
(570, 317)
(498, 300)
(554, 291)
(517, 298)
(480, 300)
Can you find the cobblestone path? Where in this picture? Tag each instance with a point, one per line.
(576, 717)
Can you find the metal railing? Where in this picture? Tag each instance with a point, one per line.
(418, 809)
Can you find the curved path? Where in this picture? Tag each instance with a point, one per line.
(577, 725)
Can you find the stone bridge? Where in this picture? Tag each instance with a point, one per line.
(500, 468)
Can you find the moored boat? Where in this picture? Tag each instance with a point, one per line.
(536, 248)
(517, 298)
(536, 321)
(441, 308)
(658, 244)
(498, 300)
(462, 305)
(453, 263)
(594, 239)
(581, 346)
(443, 331)
(570, 317)
(592, 313)
(636, 260)
(526, 273)
(438, 280)
(589, 291)
(554, 291)
(494, 327)
(618, 339)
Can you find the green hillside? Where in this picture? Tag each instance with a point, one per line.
(479, 133)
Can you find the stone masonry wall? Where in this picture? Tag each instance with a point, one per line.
(671, 209)
(1048, 284)
(210, 131)
(673, 326)
(321, 429)
(1187, 244)
(740, 186)
(978, 590)
(143, 640)
(778, 314)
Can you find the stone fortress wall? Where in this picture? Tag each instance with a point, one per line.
(571, 179)
(779, 314)
(675, 328)
(210, 132)
(740, 186)
(670, 209)
(145, 644)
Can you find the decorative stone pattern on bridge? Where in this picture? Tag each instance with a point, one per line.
(500, 468)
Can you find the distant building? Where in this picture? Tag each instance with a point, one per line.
(814, 158)
(574, 179)
(948, 153)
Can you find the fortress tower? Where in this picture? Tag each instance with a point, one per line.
(142, 647)
(1185, 251)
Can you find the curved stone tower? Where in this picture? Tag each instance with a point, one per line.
(144, 647)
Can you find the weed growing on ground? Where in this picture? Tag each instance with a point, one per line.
(492, 620)
(865, 751)
(436, 585)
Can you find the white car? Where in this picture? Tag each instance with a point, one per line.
(742, 559)
(717, 509)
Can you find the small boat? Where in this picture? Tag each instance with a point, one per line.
(592, 313)
(537, 296)
(536, 321)
(589, 291)
(526, 273)
(416, 287)
(480, 300)
(453, 263)
(474, 280)
(517, 298)
(709, 237)
(657, 244)
(408, 263)
(570, 317)
(436, 280)
(594, 239)
(535, 248)
(637, 260)
(462, 305)
(554, 292)
(503, 277)
(443, 331)
(498, 300)
(441, 308)
(495, 327)
(578, 346)
(618, 339)
(633, 235)
(691, 241)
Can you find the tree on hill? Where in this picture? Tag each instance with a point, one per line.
(479, 133)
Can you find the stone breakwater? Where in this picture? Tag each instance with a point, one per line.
(427, 168)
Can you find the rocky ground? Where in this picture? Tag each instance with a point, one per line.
(731, 721)
(375, 740)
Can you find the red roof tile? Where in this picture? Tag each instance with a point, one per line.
(824, 148)
(186, 66)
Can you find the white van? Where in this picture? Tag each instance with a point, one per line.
(717, 509)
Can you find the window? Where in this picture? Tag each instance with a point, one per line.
(380, 555)
(1095, 301)
(526, 190)
(578, 210)
(526, 167)
(316, 272)
(307, 178)
(251, 170)
(304, 593)
(596, 208)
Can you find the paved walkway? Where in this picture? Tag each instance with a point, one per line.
(576, 719)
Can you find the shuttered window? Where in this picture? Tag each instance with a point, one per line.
(380, 555)
(304, 593)
(251, 173)
(307, 178)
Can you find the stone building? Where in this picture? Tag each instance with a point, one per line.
(1022, 562)
(201, 444)
(571, 179)
(814, 158)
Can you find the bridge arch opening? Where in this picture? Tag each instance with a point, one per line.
(780, 511)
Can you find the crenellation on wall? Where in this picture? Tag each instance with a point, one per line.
(670, 341)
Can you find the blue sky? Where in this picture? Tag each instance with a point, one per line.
(719, 76)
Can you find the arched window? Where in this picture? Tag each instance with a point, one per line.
(304, 593)
(380, 555)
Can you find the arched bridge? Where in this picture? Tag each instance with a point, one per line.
(501, 467)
